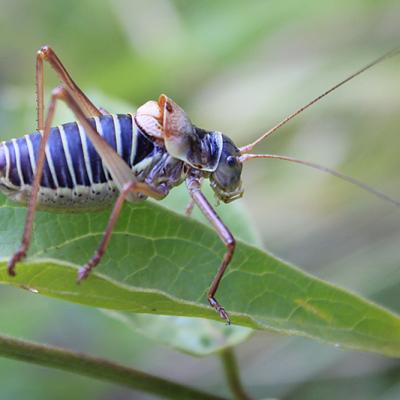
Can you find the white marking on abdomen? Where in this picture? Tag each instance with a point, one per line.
(51, 165)
(88, 166)
(18, 161)
(31, 153)
(134, 141)
(67, 154)
(99, 130)
(117, 134)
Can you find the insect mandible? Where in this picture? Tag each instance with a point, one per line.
(105, 158)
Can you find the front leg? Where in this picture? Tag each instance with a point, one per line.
(225, 235)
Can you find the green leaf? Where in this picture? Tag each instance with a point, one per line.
(159, 262)
(196, 336)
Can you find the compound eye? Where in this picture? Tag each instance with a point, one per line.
(231, 161)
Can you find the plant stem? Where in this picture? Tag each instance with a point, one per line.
(232, 374)
(83, 364)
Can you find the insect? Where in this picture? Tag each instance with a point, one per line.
(104, 158)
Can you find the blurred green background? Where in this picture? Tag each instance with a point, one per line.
(238, 67)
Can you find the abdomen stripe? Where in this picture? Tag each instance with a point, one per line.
(117, 134)
(18, 161)
(85, 151)
(67, 154)
(99, 129)
(71, 159)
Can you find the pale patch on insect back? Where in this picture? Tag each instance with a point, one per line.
(184, 141)
(149, 119)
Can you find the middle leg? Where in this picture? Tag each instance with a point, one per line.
(223, 232)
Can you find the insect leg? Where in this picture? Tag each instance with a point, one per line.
(120, 171)
(191, 204)
(117, 167)
(46, 53)
(225, 235)
(26, 237)
(133, 186)
(189, 208)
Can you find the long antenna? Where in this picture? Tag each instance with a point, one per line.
(249, 147)
(349, 179)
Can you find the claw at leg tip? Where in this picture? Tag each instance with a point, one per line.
(220, 310)
(224, 315)
(82, 274)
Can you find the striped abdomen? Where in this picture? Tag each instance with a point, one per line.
(74, 174)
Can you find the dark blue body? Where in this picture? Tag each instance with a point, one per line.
(144, 148)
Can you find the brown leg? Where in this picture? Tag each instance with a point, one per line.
(21, 252)
(119, 170)
(193, 185)
(133, 186)
(189, 208)
(191, 204)
(46, 53)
